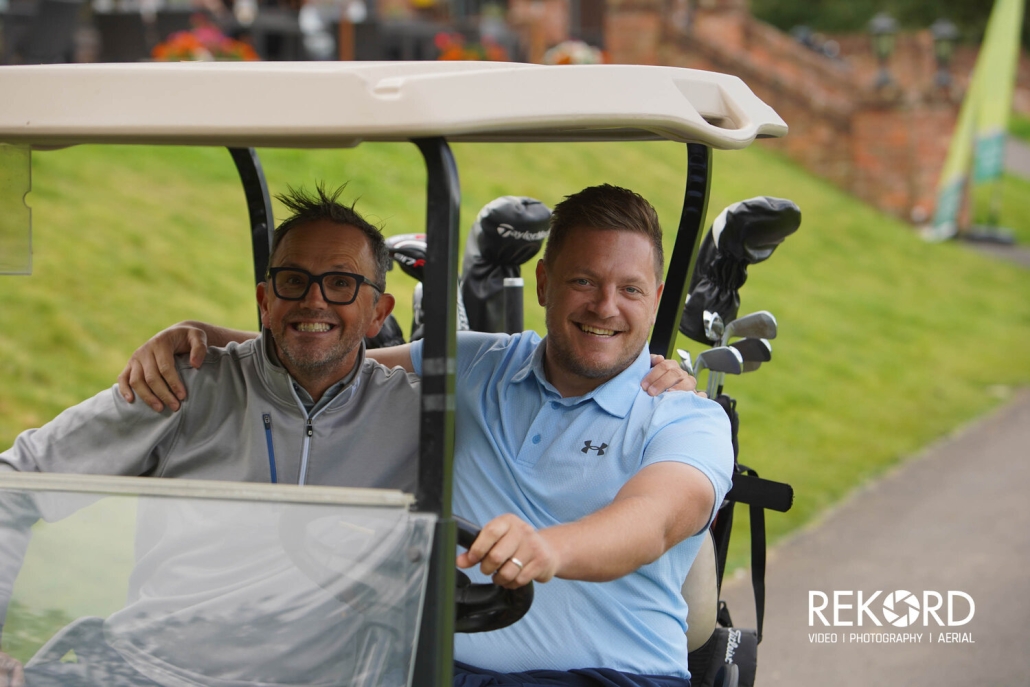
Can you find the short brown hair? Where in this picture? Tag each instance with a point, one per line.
(605, 207)
(322, 205)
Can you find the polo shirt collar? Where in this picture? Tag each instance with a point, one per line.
(615, 396)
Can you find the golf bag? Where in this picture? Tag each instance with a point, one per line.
(409, 252)
(743, 234)
(730, 656)
(507, 233)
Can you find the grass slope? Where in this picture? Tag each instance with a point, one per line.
(1014, 213)
(1019, 125)
(886, 344)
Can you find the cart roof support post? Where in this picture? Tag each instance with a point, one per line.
(434, 657)
(684, 251)
(259, 208)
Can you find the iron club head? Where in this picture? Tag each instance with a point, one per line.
(754, 350)
(713, 325)
(721, 359)
(756, 325)
(685, 364)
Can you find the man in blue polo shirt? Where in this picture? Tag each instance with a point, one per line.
(585, 482)
(580, 474)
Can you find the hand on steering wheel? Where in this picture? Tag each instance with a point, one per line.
(485, 607)
(351, 566)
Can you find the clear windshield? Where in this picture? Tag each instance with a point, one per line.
(126, 590)
(15, 218)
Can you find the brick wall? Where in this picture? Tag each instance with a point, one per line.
(633, 30)
(886, 147)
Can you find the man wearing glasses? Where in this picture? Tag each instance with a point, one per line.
(299, 404)
(304, 383)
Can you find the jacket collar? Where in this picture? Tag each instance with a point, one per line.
(284, 387)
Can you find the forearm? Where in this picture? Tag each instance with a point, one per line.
(661, 506)
(611, 542)
(219, 336)
(392, 356)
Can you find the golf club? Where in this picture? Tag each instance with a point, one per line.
(722, 359)
(713, 326)
(756, 325)
(685, 364)
(754, 350)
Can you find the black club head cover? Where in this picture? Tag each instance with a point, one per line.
(508, 232)
(743, 234)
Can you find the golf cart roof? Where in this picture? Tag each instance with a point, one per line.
(340, 104)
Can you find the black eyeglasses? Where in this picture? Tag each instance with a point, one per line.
(338, 288)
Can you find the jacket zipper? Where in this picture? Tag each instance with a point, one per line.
(304, 453)
(267, 418)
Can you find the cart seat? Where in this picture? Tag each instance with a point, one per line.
(701, 592)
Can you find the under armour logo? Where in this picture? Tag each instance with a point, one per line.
(588, 447)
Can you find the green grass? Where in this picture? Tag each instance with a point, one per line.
(887, 343)
(1014, 213)
(1019, 126)
(78, 566)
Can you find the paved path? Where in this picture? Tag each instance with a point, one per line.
(954, 518)
(1017, 157)
(1020, 255)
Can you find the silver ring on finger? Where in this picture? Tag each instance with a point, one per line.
(517, 562)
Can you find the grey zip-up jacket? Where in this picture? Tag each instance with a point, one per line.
(242, 421)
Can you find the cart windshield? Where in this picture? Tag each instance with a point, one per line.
(242, 585)
(15, 229)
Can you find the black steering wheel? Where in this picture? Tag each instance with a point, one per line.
(358, 566)
(485, 607)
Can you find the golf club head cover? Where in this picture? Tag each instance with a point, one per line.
(743, 234)
(507, 232)
(389, 335)
(409, 252)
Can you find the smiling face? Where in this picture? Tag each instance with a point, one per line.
(317, 342)
(600, 294)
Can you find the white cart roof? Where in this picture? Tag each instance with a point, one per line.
(339, 104)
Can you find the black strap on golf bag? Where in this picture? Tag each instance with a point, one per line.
(758, 494)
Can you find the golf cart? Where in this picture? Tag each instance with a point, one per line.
(384, 558)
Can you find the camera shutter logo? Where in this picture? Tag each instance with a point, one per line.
(901, 608)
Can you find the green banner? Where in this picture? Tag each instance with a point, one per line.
(952, 184)
(983, 119)
(1000, 52)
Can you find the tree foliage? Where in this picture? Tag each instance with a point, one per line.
(854, 15)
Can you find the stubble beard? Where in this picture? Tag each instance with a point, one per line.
(561, 355)
(312, 362)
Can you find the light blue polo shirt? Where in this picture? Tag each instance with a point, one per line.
(521, 448)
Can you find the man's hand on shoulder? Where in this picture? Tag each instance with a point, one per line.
(666, 375)
(151, 372)
(513, 552)
(11, 672)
